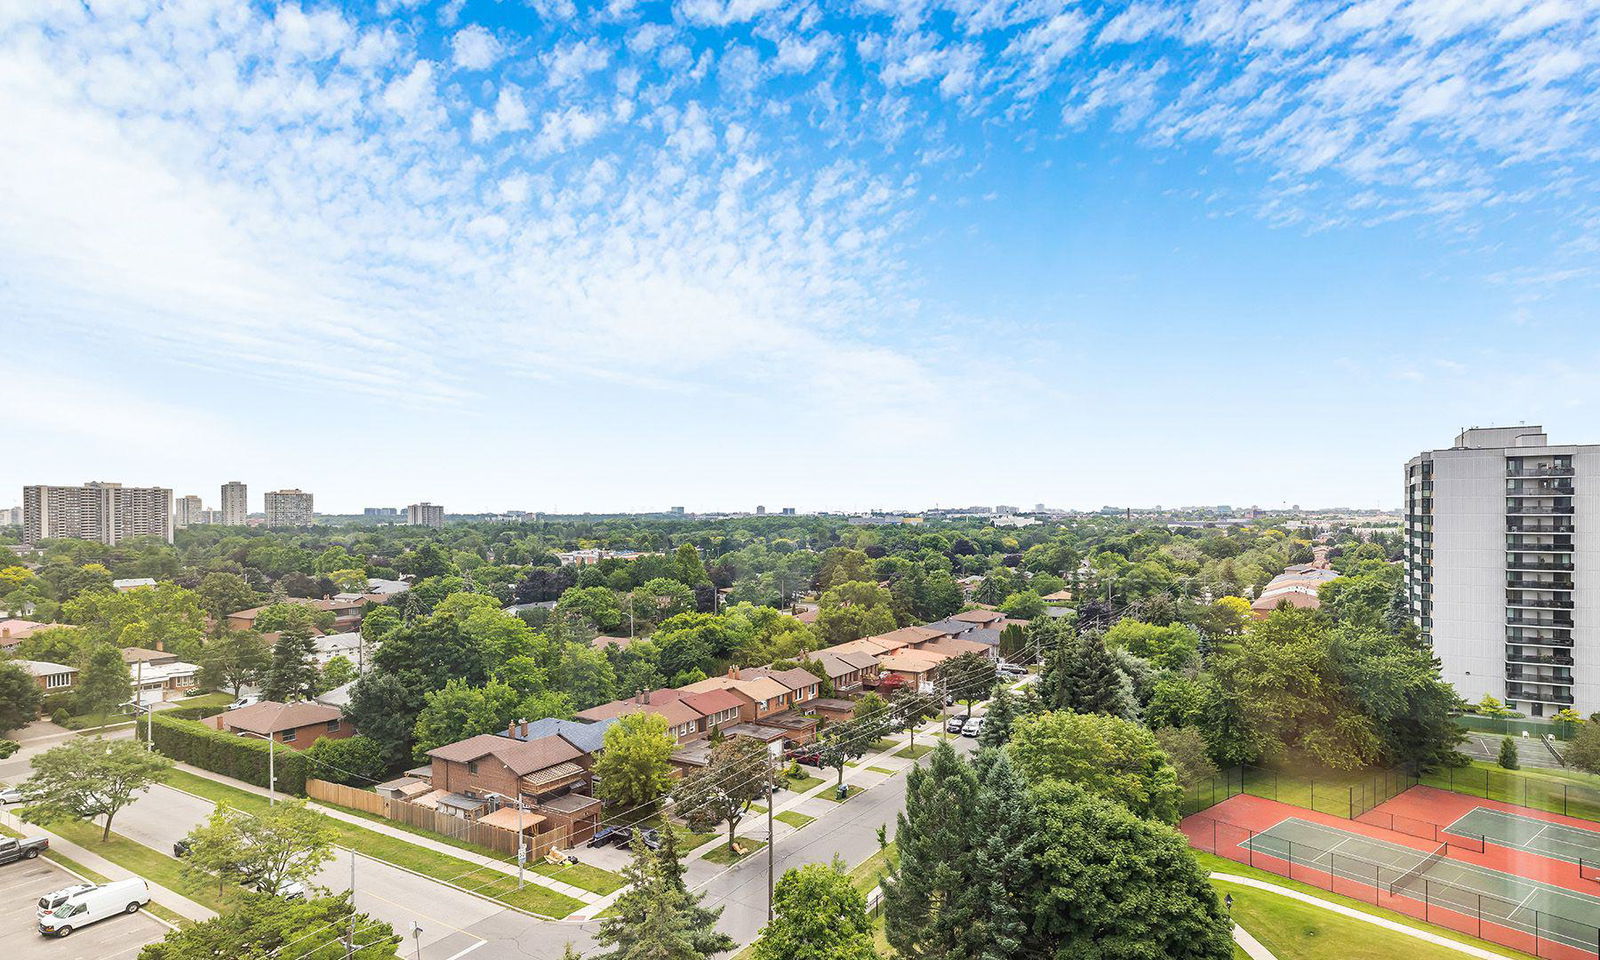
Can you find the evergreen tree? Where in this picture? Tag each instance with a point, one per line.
(657, 918)
(928, 896)
(293, 674)
(1081, 675)
(1508, 754)
(1001, 827)
(817, 915)
(997, 722)
(1028, 702)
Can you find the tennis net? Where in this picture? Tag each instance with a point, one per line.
(1422, 867)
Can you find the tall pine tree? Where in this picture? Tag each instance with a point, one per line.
(1003, 858)
(997, 722)
(927, 898)
(293, 674)
(657, 918)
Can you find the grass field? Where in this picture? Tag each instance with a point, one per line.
(831, 795)
(803, 784)
(1396, 945)
(484, 881)
(793, 818)
(915, 753)
(721, 854)
(883, 770)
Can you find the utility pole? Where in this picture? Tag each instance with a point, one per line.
(772, 839)
(350, 947)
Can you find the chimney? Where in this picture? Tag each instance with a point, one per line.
(638, 695)
(161, 645)
(511, 729)
(733, 672)
(646, 695)
(524, 729)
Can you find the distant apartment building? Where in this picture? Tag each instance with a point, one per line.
(787, 511)
(1498, 577)
(107, 512)
(288, 508)
(12, 517)
(188, 511)
(381, 513)
(235, 503)
(425, 515)
(675, 511)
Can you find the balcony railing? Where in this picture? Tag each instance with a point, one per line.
(1522, 583)
(1558, 659)
(1540, 604)
(1524, 620)
(1518, 545)
(1551, 471)
(1517, 525)
(1517, 693)
(1528, 676)
(1517, 510)
(1531, 563)
(1540, 488)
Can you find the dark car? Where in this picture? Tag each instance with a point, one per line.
(953, 725)
(810, 758)
(648, 836)
(605, 835)
(181, 848)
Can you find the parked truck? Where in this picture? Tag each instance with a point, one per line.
(24, 849)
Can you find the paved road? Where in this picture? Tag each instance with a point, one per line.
(114, 938)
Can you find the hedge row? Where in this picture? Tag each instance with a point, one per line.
(192, 712)
(243, 758)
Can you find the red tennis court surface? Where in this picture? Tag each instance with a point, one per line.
(1420, 855)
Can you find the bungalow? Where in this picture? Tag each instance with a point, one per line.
(952, 627)
(905, 636)
(13, 632)
(298, 725)
(763, 695)
(346, 613)
(803, 685)
(159, 676)
(981, 618)
(915, 667)
(956, 646)
(51, 677)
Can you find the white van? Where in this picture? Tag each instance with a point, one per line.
(96, 903)
(56, 898)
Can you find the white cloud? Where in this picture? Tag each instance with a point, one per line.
(475, 48)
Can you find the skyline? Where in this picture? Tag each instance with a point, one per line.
(623, 256)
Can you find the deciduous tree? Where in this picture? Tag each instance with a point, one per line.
(817, 915)
(1111, 757)
(102, 680)
(634, 768)
(87, 777)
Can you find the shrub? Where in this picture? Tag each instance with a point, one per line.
(60, 717)
(243, 758)
(8, 747)
(357, 761)
(1508, 754)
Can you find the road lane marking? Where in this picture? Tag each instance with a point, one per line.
(458, 956)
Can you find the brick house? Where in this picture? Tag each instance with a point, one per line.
(549, 776)
(296, 725)
(51, 677)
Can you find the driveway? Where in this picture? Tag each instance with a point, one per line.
(114, 938)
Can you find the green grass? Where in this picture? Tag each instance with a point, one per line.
(484, 881)
(151, 864)
(92, 876)
(881, 744)
(803, 784)
(831, 795)
(1398, 945)
(725, 856)
(757, 808)
(1571, 792)
(581, 875)
(870, 871)
(883, 770)
(793, 818)
(915, 753)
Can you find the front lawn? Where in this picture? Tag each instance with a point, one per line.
(485, 881)
(793, 818)
(883, 770)
(915, 753)
(149, 863)
(803, 784)
(833, 795)
(90, 721)
(725, 856)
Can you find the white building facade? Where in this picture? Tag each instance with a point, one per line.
(1499, 577)
(425, 515)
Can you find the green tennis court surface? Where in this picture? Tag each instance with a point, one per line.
(1539, 909)
(1555, 840)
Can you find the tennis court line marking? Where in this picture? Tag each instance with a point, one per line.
(1537, 834)
(1522, 904)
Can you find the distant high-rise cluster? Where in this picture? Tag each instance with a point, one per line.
(235, 503)
(107, 512)
(425, 515)
(188, 512)
(288, 508)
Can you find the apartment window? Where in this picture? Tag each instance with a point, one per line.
(57, 680)
(289, 735)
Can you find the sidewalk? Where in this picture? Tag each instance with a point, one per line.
(377, 826)
(175, 902)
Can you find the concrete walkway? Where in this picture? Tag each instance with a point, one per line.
(1250, 944)
(1354, 914)
(377, 826)
(175, 902)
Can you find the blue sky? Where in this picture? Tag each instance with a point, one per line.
(547, 255)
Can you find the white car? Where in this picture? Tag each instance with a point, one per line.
(10, 794)
(972, 727)
(247, 700)
(56, 898)
(84, 907)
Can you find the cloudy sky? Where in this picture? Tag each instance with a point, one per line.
(552, 255)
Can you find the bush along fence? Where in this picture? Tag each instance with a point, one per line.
(1340, 795)
(1551, 795)
(1424, 884)
(1516, 726)
(243, 758)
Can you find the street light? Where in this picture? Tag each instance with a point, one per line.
(272, 768)
(136, 705)
(522, 849)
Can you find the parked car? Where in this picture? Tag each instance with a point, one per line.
(180, 849)
(288, 890)
(1014, 670)
(811, 758)
(24, 849)
(953, 725)
(647, 836)
(10, 794)
(972, 727)
(249, 699)
(605, 835)
(93, 905)
(50, 901)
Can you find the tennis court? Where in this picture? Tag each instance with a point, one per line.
(1544, 911)
(1555, 840)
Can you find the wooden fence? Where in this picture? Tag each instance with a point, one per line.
(426, 818)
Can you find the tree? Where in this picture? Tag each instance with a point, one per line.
(382, 708)
(19, 697)
(224, 593)
(460, 711)
(659, 599)
(853, 610)
(1023, 605)
(688, 567)
(1003, 847)
(233, 660)
(1584, 751)
(634, 768)
(928, 894)
(86, 778)
(997, 721)
(841, 565)
(337, 672)
(1508, 754)
(299, 617)
(596, 604)
(845, 742)
(8, 748)
(1081, 675)
(103, 682)
(263, 928)
(1108, 756)
(1169, 648)
(1014, 646)
(738, 772)
(656, 917)
(969, 678)
(817, 915)
(910, 708)
(1108, 883)
(289, 843)
(1186, 748)
(293, 673)
(165, 615)
(1490, 706)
